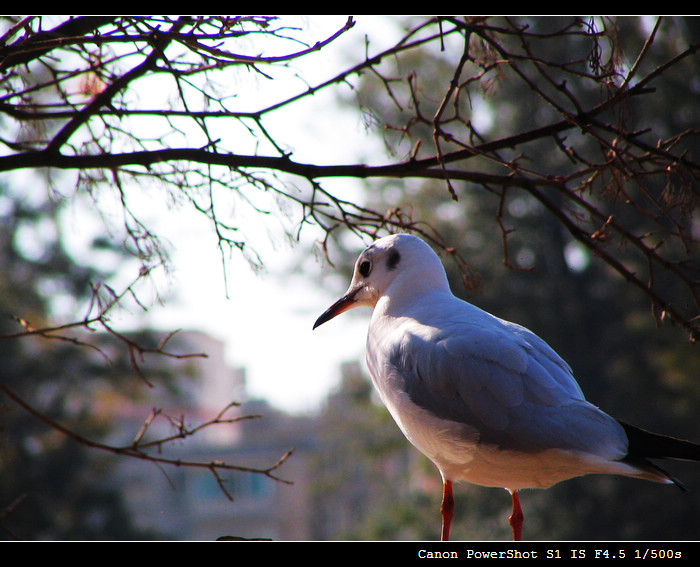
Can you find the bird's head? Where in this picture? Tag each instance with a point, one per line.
(399, 262)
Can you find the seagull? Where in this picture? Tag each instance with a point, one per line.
(486, 400)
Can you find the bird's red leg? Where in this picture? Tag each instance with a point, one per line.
(446, 509)
(516, 518)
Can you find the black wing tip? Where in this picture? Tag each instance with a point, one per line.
(645, 444)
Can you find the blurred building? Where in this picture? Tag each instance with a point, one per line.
(189, 503)
(344, 465)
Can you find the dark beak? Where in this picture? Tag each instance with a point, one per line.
(343, 304)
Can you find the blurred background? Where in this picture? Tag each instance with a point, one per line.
(69, 248)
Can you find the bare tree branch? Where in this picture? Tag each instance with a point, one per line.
(139, 449)
(75, 96)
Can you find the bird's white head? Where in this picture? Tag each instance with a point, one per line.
(398, 264)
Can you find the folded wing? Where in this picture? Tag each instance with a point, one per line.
(508, 384)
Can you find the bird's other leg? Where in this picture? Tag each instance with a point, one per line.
(516, 518)
(446, 509)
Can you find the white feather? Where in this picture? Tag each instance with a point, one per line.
(486, 400)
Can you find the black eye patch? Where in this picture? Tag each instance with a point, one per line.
(393, 260)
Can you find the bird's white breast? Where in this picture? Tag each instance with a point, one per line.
(454, 439)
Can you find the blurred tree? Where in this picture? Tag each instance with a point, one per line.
(548, 279)
(47, 486)
(560, 154)
(147, 101)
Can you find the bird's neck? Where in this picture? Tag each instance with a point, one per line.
(408, 305)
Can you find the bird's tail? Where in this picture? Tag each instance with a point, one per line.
(645, 445)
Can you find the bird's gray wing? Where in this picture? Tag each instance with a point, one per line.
(505, 382)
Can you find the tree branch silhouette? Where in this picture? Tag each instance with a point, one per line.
(628, 193)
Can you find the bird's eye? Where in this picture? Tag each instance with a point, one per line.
(365, 268)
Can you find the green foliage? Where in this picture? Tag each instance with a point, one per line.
(50, 487)
(531, 271)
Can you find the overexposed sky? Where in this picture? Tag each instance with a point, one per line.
(266, 320)
(265, 323)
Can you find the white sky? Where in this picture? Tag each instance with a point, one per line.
(266, 323)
